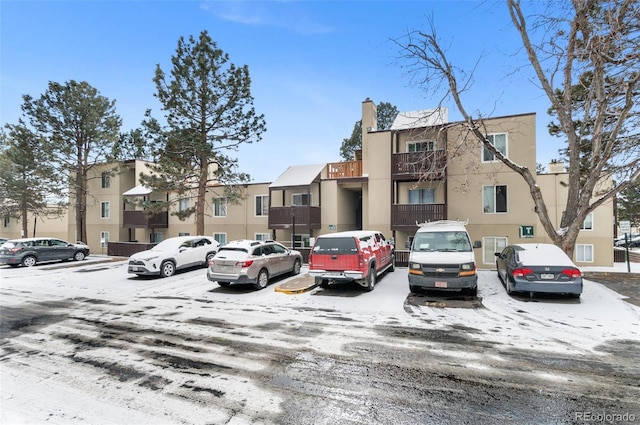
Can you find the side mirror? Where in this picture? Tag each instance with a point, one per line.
(477, 244)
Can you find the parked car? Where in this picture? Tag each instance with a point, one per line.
(442, 258)
(252, 261)
(31, 251)
(620, 240)
(538, 267)
(173, 254)
(353, 256)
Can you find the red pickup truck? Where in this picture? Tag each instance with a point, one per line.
(359, 256)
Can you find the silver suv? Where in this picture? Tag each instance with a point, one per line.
(250, 261)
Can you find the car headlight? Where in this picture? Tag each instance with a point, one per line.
(149, 258)
(467, 269)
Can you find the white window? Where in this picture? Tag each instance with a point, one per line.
(221, 238)
(106, 180)
(588, 222)
(420, 146)
(262, 236)
(494, 199)
(219, 207)
(421, 196)
(491, 245)
(184, 204)
(262, 205)
(584, 253)
(499, 141)
(104, 239)
(301, 199)
(104, 209)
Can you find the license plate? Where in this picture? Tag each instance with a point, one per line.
(547, 276)
(441, 284)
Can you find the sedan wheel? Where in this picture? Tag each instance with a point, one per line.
(167, 269)
(263, 280)
(79, 256)
(29, 261)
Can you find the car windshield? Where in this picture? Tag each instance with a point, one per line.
(442, 242)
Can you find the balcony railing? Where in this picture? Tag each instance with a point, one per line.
(306, 217)
(340, 170)
(141, 220)
(428, 165)
(405, 216)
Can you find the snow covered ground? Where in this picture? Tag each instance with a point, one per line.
(52, 315)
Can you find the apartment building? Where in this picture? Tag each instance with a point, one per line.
(423, 168)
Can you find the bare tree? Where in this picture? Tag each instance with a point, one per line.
(576, 38)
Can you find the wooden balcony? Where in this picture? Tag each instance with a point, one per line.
(341, 170)
(405, 216)
(412, 166)
(307, 218)
(141, 220)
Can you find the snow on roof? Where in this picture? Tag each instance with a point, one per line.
(298, 175)
(138, 191)
(418, 119)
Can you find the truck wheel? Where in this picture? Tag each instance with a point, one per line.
(371, 280)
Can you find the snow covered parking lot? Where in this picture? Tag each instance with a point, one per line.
(93, 344)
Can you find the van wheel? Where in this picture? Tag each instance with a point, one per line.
(263, 280)
(473, 291)
(371, 280)
(323, 283)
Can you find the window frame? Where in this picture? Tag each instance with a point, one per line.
(301, 194)
(264, 200)
(262, 236)
(105, 209)
(184, 204)
(495, 197)
(485, 152)
(219, 207)
(429, 144)
(104, 235)
(492, 257)
(220, 237)
(582, 247)
(583, 226)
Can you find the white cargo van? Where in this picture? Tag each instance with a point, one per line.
(442, 258)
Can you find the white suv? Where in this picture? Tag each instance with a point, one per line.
(173, 254)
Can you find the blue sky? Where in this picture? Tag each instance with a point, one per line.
(312, 63)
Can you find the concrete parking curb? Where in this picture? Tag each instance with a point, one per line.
(297, 285)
